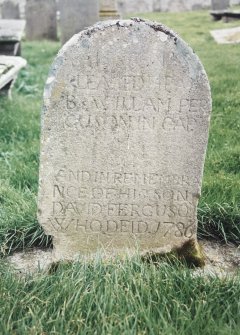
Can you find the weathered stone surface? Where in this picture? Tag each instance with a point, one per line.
(124, 134)
(10, 10)
(41, 19)
(108, 10)
(220, 4)
(76, 15)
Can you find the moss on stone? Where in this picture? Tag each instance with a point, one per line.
(190, 253)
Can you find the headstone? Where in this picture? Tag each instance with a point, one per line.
(11, 32)
(9, 68)
(10, 10)
(76, 15)
(41, 19)
(108, 10)
(124, 134)
(220, 4)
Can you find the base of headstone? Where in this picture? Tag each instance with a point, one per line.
(66, 250)
(222, 261)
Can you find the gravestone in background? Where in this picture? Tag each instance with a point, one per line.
(124, 134)
(108, 10)
(220, 4)
(10, 10)
(41, 19)
(76, 15)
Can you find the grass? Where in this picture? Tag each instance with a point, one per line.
(120, 297)
(19, 142)
(124, 297)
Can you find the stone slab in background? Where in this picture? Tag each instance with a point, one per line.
(76, 15)
(124, 134)
(11, 32)
(9, 69)
(226, 36)
(231, 16)
(10, 10)
(225, 15)
(41, 19)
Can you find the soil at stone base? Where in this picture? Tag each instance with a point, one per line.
(221, 260)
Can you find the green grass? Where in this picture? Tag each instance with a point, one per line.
(121, 297)
(124, 297)
(19, 151)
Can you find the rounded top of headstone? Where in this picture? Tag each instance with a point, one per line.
(135, 24)
(137, 32)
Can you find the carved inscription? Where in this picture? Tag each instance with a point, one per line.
(109, 227)
(117, 203)
(124, 134)
(128, 113)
